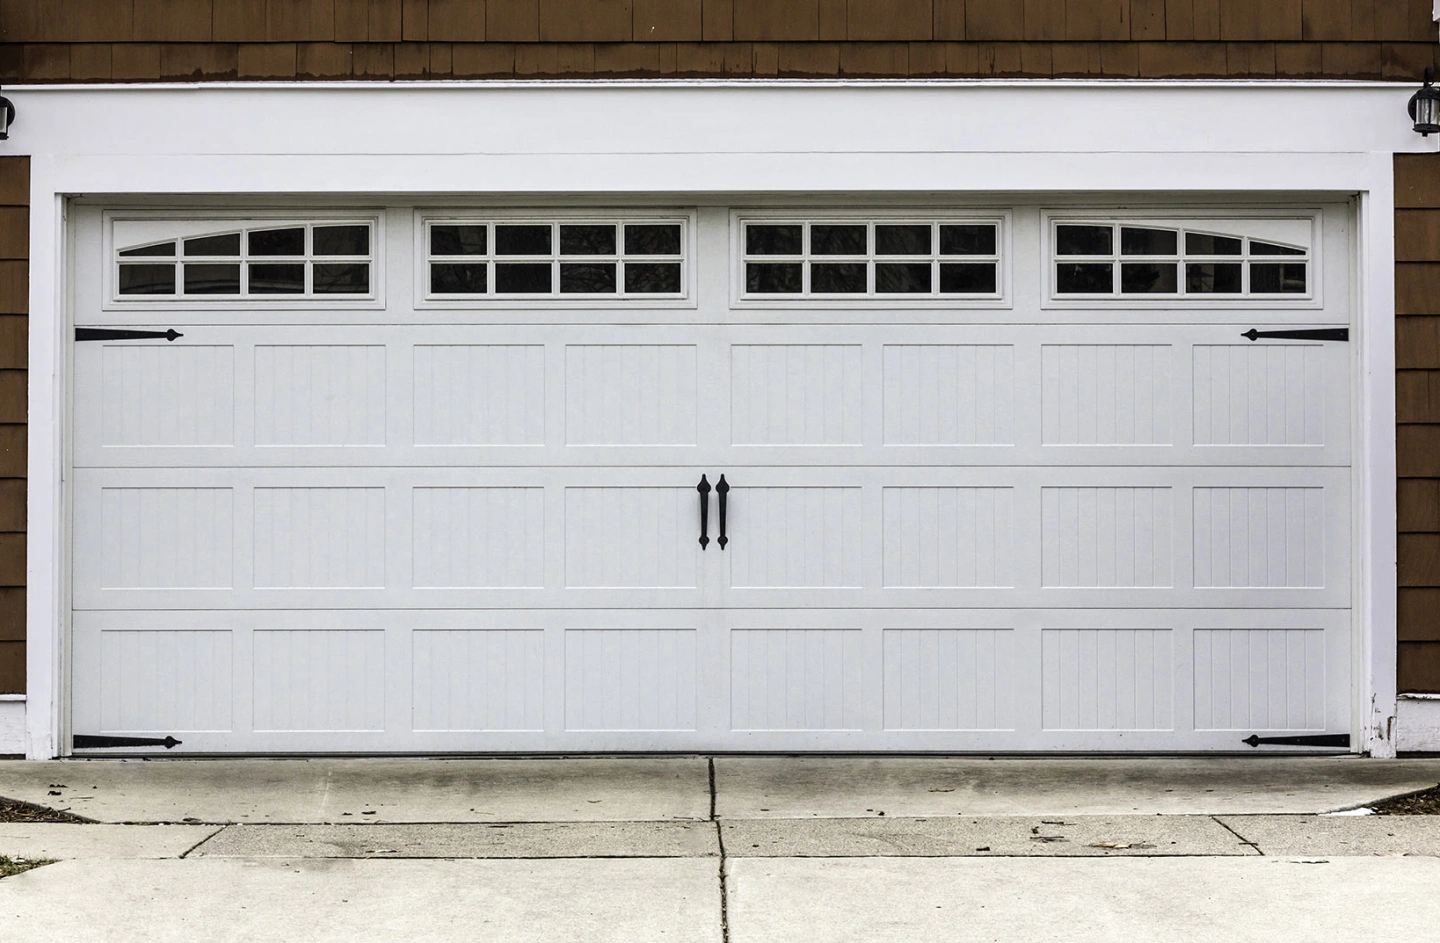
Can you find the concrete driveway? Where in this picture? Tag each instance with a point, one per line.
(721, 849)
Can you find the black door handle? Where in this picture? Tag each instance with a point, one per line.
(722, 488)
(704, 489)
(1308, 334)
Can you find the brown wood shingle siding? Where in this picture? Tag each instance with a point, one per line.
(14, 354)
(149, 40)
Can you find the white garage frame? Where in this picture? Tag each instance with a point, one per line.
(848, 141)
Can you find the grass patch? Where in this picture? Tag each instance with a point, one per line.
(13, 810)
(9, 867)
(1425, 802)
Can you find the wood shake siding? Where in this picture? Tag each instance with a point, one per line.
(51, 41)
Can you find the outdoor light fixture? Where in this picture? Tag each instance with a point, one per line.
(7, 117)
(1425, 106)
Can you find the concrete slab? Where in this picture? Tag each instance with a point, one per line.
(801, 787)
(51, 840)
(1102, 836)
(1367, 835)
(348, 791)
(1179, 900)
(340, 901)
(519, 840)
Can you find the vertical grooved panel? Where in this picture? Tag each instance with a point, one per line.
(1260, 537)
(479, 537)
(630, 394)
(1106, 679)
(1273, 394)
(165, 680)
(631, 537)
(1106, 536)
(949, 679)
(630, 679)
(1105, 394)
(166, 538)
(479, 394)
(319, 679)
(795, 394)
(949, 394)
(795, 537)
(320, 538)
(478, 679)
(948, 537)
(320, 395)
(795, 679)
(159, 396)
(1259, 679)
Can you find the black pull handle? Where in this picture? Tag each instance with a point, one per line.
(1309, 334)
(120, 334)
(704, 489)
(722, 488)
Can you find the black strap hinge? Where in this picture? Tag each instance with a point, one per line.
(1309, 740)
(122, 334)
(82, 741)
(1309, 334)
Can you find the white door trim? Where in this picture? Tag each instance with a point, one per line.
(754, 138)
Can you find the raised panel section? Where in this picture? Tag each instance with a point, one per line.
(476, 394)
(948, 537)
(166, 538)
(319, 679)
(1272, 394)
(167, 396)
(630, 394)
(795, 394)
(1259, 679)
(631, 537)
(479, 537)
(1105, 394)
(1260, 537)
(1107, 679)
(1106, 537)
(795, 537)
(949, 679)
(319, 538)
(478, 679)
(949, 394)
(320, 395)
(795, 679)
(165, 680)
(630, 679)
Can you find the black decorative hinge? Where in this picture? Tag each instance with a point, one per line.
(82, 741)
(1311, 334)
(1314, 740)
(118, 334)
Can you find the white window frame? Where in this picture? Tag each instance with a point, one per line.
(1209, 222)
(689, 251)
(224, 223)
(870, 216)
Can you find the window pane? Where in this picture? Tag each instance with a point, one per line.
(1148, 241)
(272, 279)
(160, 249)
(846, 277)
(522, 278)
(1084, 240)
(770, 278)
(457, 278)
(1274, 278)
(342, 240)
(589, 279)
(147, 279)
(838, 240)
(586, 240)
(1199, 243)
(652, 239)
(1084, 278)
(774, 240)
(342, 278)
(1148, 277)
(522, 240)
(652, 277)
(902, 277)
(1203, 278)
(457, 240)
(973, 278)
(967, 240)
(277, 242)
(228, 244)
(1270, 248)
(902, 240)
(212, 279)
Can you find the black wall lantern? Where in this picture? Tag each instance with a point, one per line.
(7, 117)
(1425, 106)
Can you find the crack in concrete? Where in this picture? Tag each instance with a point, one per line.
(720, 844)
(186, 852)
(1243, 839)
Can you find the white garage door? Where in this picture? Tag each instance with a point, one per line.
(1008, 479)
